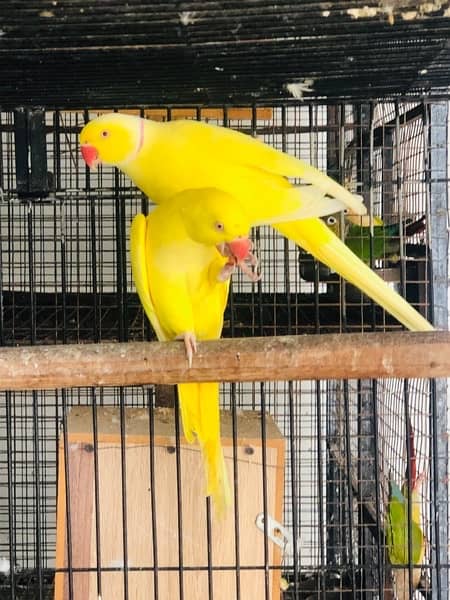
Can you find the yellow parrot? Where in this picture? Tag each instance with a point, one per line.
(163, 159)
(183, 286)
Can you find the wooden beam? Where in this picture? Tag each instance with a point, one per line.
(346, 356)
(262, 113)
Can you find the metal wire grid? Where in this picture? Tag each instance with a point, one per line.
(71, 242)
(369, 440)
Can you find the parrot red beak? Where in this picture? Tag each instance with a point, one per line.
(90, 155)
(240, 248)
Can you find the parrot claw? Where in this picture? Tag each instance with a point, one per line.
(226, 272)
(248, 265)
(420, 479)
(249, 268)
(190, 343)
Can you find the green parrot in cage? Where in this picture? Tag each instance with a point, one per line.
(357, 237)
(401, 523)
(386, 239)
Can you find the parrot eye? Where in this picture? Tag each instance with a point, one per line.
(105, 133)
(331, 221)
(218, 226)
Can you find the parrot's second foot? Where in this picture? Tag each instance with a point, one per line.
(420, 480)
(190, 343)
(250, 267)
(226, 272)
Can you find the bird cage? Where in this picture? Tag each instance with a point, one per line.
(101, 495)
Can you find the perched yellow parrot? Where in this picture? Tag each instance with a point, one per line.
(183, 286)
(163, 159)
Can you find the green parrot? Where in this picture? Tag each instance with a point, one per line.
(386, 242)
(386, 238)
(398, 528)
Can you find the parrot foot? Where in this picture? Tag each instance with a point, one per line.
(190, 344)
(248, 265)
(420, 480)
(226, 272)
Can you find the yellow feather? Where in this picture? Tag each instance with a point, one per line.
(171, 157)
(199, 404)
(317, 239)
(181, 155)
(139, 268)
(176, 279)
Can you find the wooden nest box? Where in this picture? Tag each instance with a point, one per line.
(171, 558)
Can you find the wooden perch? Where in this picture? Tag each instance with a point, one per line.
(331, 356)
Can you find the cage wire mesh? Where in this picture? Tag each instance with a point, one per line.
(65, 277)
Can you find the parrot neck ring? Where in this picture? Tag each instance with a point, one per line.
(133, 155)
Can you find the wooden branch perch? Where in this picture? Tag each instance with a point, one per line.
(370, 355)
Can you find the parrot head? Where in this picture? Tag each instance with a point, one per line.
(333, 222)
(215, 218)
(395, 493)
(360, 221)
(113, 139)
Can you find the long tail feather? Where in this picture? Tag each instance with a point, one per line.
(199, 405)
(188, 395)
(218, 486)
(315, 237)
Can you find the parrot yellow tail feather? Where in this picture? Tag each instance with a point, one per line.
(199, 405)
(315, 237)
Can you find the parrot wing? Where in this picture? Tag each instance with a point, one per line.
(166, 158)
(378, 241)
(403, 519)
(228, 146)
(383, 244)
(397, 531)
(139, 270)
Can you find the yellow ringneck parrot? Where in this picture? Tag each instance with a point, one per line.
(400, 522)
(163, 159)
(183, 286)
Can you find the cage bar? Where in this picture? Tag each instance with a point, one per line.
(70, 319)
